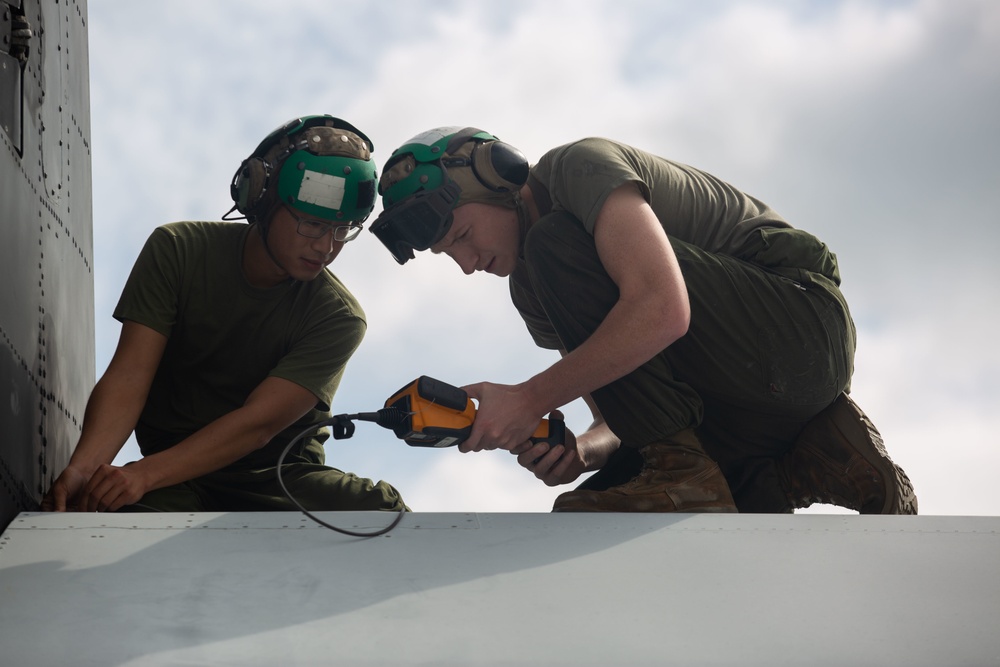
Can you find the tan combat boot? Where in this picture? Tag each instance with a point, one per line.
(840, 459)
(676, 476)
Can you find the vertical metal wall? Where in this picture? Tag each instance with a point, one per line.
(46, 245)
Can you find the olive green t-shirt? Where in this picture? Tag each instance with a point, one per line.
(692, 205)
(226, 336)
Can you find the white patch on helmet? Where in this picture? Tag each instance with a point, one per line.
(321, 189)
(431, 137)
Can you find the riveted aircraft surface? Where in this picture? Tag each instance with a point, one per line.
(46, 244)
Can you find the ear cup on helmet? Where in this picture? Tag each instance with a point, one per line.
(249, 184)
(499, 166)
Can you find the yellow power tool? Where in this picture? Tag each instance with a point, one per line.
(432, 413)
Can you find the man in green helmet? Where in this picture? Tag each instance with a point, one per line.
(234, 340)
(708, 336)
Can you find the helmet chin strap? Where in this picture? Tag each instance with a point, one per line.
(264, 231)
(523, 222)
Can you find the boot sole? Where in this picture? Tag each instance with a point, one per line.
(899, 497)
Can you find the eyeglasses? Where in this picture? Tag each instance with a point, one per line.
(317, 229)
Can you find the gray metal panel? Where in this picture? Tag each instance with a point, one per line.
(499, 589)
(46, 254)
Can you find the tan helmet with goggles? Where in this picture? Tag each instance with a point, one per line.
(433, 173)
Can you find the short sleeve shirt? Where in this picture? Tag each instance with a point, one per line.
(692, 206)
(224, 336)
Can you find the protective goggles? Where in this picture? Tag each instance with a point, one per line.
(417, 222)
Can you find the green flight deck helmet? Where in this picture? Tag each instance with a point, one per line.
(318, 165)
(437, 171)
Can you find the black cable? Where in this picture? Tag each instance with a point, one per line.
(387, 417)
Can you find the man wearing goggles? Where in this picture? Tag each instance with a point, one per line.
(709, 337)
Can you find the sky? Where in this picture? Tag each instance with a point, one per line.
(874, 125)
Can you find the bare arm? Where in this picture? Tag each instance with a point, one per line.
(274, 405)
(651, 313)
(112, 410)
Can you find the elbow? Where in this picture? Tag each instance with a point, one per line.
(666, 330)
(260, 434)
(259, 439)
(677, 321)
(681, 322)
(673, 332)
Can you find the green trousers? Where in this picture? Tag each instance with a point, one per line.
(770, 344)
(317, 488)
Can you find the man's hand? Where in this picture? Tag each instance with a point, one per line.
(553, 464)
(111, 487)
(505, 418)
(565, 463)
(65, 491)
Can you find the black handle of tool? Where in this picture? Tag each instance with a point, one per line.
(551, 431)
